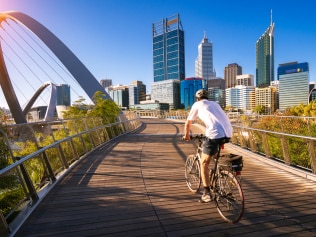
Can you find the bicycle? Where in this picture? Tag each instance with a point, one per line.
(225, 188)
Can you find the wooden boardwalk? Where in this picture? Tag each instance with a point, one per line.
(134, 186)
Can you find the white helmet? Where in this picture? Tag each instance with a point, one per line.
(201, 93)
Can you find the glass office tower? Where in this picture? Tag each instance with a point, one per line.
(63, 95)
(188, 88)
(265, 57)
(204, 61)
(293, 84)
(168, 49)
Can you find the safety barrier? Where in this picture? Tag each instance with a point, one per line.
(39, 154)
(288, 139)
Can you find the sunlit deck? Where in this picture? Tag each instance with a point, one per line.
(134, 186)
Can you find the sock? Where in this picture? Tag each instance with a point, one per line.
(206, 190)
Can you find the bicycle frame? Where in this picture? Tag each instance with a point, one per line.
(216, 159)
(228, 195)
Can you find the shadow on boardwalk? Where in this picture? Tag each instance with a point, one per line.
(134, 186)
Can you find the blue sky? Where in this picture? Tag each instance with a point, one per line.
(113, 37)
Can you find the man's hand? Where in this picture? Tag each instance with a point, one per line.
(187, 126)
(186, 138)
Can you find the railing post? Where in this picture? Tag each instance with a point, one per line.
(242, 139)
(89, 133)
(252, 143)
(312, 156)
(4, 228)
(62, 155)
(285, 149)
(74, 150)
(266, 145)
(83, 143)
(30, 187)
(48, 166)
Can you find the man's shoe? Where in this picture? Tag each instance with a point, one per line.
(206, 197)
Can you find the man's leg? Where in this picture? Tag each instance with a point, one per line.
(205, 175)
(205, 171)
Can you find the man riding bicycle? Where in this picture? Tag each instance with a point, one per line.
(217, 128)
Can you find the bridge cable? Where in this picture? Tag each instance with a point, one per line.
(61, 66)
(32, 58)
(19, 57)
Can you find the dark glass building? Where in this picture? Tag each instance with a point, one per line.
(168, 49)
(188, 88)
(63, 95)
(265, 57)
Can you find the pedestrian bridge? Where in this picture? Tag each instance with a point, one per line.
(134, 185)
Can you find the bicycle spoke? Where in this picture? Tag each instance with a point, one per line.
(229, 197)
(192, 173)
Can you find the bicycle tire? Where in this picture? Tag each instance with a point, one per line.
(229, 198)
(193, 173)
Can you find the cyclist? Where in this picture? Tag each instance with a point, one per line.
(217, 128)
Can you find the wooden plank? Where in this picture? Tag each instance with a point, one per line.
(135, 186)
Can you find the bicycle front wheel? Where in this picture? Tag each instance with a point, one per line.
(193, 173)
(229, 198)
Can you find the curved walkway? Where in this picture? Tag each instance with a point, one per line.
(134, 186)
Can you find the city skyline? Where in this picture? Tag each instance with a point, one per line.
(115, 36)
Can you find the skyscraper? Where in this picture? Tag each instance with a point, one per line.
(265, 57)
(167, 91)
(188, 88)
(168, 49)
(267, 98)
(293, 84)
(63, 94)
(230, 73)
(105, 83)
(204, 61)
(245, 80)
(120, 95)
(137, 92)
(241, 97)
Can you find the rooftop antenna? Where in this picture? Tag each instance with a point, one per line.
(271, 17)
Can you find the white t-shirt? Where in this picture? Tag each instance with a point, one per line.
(216, 121)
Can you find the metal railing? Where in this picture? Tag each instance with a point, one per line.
(290, 149)
(288, 139)
(40, 153)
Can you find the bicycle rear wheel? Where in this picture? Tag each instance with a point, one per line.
(229, 198)
(193, 173)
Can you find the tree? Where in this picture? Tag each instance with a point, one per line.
(77, 110)
(308, 110)
(104, 108)
(229, 108)
(259, 109)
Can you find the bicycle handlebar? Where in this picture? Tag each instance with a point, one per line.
(197, 136)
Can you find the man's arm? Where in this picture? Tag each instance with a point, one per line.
(187, 127)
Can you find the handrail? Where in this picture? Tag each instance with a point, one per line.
(51, 162)
(295, 149)
(41, 150)
(277, 133)
(290, 149)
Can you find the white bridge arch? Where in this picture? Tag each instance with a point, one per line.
(78, 70)
(52, 101)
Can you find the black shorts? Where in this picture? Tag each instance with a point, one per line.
(210, 146)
